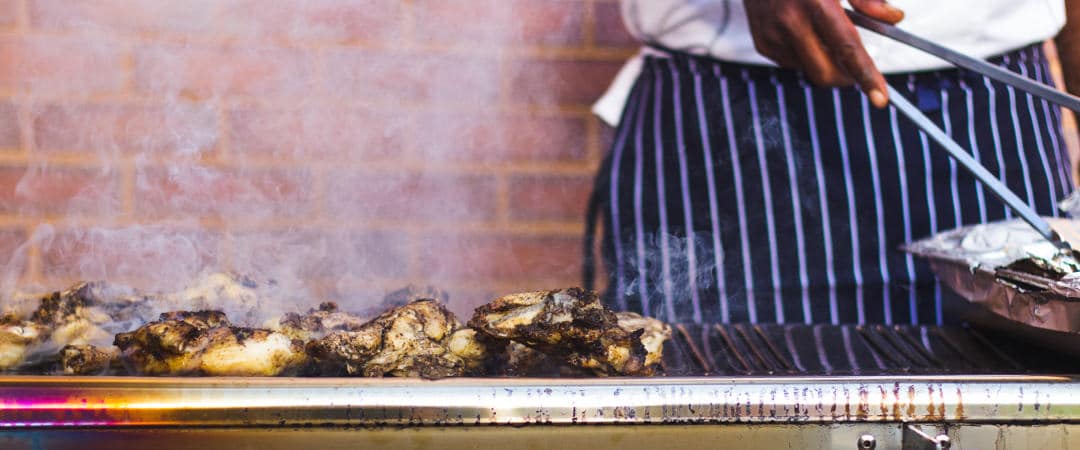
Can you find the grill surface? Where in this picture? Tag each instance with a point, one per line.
(713, 374)
(742, 349)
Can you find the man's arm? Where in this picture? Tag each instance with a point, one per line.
(1068, 44)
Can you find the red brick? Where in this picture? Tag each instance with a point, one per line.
(203, 71)
(382, 196)
(333, 255)
(499, 22)
(317, 133)
(561, 81)
(8, 12)
(14, 251)
(232, 194)
(189, 16)
(414, 77)
(52, 189)
(610, 29)
(501, 138)
(314, 20)
(549, 197)
(500, 258)
(154, 257)
(9, 126)
(181, 129)
(43, 64)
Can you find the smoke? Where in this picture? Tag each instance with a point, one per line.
(317, 144)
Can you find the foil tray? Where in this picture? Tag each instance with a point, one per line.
(968, 261)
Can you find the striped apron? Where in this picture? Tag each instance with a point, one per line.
(737, 193)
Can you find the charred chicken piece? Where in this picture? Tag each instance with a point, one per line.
(205, 343)
(317, 322)
(520, 360)
(87, 359)
(85, 313)
(16, 337)
(570, 325)
(655, 333)
(420, 339)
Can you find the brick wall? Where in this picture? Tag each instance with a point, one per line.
(364, 144)
(343, 146)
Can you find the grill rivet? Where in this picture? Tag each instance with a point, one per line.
(867, 442)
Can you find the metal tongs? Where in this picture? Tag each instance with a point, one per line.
(999, 189)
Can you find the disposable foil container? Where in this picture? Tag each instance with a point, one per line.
(971, 261)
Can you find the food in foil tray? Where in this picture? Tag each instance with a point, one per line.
(98, 328)
(1013, 250)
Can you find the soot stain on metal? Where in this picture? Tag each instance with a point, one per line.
(911, 401)
(862, 410)
(896, 401)
(959, 403)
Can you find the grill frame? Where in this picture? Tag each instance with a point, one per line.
(718, 374)
(31, 402)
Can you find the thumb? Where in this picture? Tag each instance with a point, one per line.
(878, 9)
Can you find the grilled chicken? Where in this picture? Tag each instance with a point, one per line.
(521, 360)
(420, 339)
(205, 343)
(570, 325)
(16, 337)
(317, 322)
(653, 337)
(83, 314)
(87, 359)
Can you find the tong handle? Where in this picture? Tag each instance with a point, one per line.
(961, 60)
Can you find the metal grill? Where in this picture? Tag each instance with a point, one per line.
(743, 349)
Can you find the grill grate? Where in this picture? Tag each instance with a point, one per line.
(745, 349)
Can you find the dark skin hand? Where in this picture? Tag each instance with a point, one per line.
(816, 37)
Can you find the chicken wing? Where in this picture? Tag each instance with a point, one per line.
(419, 339)
(570, 325)
(205, 343)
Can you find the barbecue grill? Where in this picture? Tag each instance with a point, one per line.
(722, 386)
(736, 386)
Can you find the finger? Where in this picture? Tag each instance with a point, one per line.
(839, 35)
(879, 9)
(813, 57)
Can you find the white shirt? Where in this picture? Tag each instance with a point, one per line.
(718, 28)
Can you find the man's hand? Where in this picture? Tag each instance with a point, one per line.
(815, 36)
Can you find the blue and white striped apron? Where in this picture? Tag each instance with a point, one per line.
(737, 193)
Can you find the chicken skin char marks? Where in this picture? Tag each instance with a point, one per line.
(84, 313)
(205, 343)
(571, 325)
(419, 339)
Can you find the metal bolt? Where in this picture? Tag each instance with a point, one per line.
(867, 442)
(943, 441)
